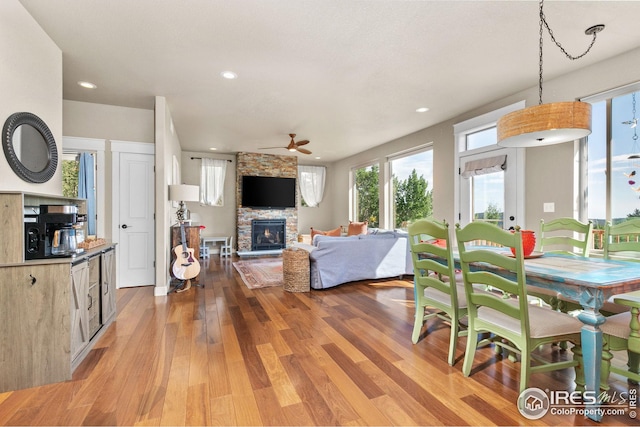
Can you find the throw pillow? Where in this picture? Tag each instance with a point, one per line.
(356, 228)
(334, 232)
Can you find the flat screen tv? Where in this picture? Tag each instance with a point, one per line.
(268, 192)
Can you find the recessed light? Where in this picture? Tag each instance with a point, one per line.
(213, 148)
(422, 110)
(229, 75)
(87, 85)
(318, 157)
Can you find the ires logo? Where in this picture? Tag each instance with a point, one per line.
(534, 403)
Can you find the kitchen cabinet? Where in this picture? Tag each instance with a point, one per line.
(52, 310)
(93, 304)
(108, 284)
(34, 337)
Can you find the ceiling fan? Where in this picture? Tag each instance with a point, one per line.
(294, 146)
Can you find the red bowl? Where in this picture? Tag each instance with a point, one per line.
(528, 242)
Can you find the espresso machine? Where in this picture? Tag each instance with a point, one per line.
(52, 231)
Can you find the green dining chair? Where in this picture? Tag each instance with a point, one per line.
(622, 240)
(512, 324)
(437, 293)
(622, 332)
(567, 236)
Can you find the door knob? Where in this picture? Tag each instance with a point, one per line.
(124, 226)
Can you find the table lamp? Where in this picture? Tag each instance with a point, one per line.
(183, 193)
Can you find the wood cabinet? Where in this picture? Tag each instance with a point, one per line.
(34, 337)
(108, 283)
(52, 310)
(192, 237)
(93, 303)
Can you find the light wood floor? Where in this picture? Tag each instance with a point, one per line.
(227, 355)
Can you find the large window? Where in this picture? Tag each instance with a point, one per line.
(406, 182)
(412, 187)
(367, 194)
(611, 158)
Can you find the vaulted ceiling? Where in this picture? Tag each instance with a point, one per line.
(346, 75)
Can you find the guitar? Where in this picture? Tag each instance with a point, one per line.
(185, 267)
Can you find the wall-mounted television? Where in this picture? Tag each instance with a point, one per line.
(268, 192)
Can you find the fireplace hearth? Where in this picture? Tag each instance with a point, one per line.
(268, 234)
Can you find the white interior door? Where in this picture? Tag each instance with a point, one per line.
(493, 196)
(135, 219)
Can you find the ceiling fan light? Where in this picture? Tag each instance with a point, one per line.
(545, 124)
(292, 149)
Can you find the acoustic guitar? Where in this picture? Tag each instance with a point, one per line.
(186, 266)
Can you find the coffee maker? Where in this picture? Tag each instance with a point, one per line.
(51, 233)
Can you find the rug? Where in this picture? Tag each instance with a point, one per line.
(260, 273)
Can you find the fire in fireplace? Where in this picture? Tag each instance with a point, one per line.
(268, 234)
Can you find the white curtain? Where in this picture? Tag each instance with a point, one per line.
(311, 183)
(212, 175)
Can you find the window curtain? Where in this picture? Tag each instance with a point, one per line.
(87, 190)
(212, 175)
(311, 183)
(484, 166)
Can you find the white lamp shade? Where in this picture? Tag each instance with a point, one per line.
(184, 193)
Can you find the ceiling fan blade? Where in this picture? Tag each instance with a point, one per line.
(303, 150)
(269, 148)
(303, 142)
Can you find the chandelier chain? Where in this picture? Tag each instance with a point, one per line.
(544, 24)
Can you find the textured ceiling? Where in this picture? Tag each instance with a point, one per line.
(346, 75)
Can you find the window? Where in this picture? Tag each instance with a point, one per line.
(73, 148)
(311, 183)
(79, 181)
(412, 187)
(212, 174)
(367, 194)
(482, 138)
(490, 178)
(611, 185)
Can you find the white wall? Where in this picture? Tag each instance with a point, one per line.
(30, 81)
(88, 120)
(167, 146)
(549, 170)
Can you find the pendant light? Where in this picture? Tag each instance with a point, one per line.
(547, 124)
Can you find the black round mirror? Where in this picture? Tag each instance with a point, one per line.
(29, 147)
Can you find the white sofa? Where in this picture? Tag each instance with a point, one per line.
(338, 260)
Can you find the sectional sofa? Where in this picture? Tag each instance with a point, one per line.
(377, 255)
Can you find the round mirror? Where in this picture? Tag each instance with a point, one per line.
(29, 147)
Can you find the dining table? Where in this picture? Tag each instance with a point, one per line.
(589, 281)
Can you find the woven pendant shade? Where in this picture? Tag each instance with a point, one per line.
(545, 124)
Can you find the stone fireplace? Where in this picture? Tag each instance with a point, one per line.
(257, 164)
(268, 234)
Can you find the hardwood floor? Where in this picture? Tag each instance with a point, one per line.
(227, 355)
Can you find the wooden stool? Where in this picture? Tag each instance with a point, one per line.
(295, 270)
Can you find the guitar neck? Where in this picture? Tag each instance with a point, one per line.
(183, 237)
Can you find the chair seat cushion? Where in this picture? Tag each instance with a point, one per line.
(443, 298)
(543, 322)
(617, 325)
